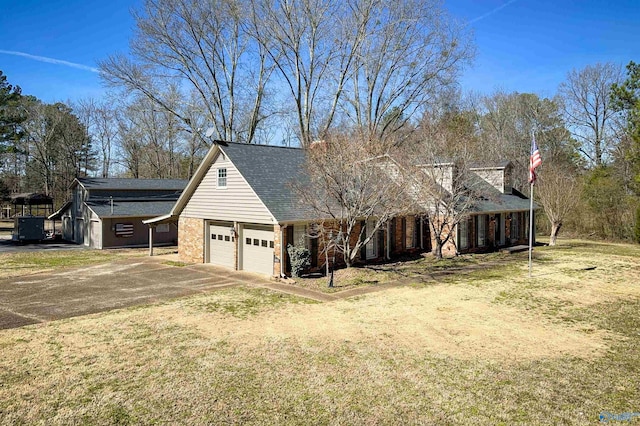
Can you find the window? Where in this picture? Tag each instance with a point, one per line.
(78, 200)
(163, 227)
(409, 226)
(515, 226)
(213, 236)
(482, 229)
(247, 241)
(227, 238)
(256, 242)
(463, 234)
(264, 243)
(222, 178)
(300, 236)
(270, 244)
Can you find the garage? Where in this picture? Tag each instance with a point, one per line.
(221, 246)
(257, 250)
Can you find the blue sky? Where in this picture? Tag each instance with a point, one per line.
(522, 45)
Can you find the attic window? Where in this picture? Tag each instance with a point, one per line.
(222, 178)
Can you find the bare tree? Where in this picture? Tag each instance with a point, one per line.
(507, 121)
(129, 152)
(437, 171)
(411, 51)
(151, 140)
(99, 119)
(588, 108)
(559, 194)
(348, 182)
(203, 45)
(312, 44)
(358, 61)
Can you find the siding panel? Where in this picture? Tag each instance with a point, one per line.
(237, 202)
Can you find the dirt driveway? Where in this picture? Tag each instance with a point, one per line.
(49, 296)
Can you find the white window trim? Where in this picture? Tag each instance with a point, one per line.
(482, 238)
(226, 177)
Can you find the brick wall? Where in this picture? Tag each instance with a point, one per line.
(449, 248)
(191, 239)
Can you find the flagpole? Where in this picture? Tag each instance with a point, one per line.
(530, 230)
(534, 161)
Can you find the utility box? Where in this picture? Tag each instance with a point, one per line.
(28, 228)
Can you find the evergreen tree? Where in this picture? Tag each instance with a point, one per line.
(626, 98)
(11, 118)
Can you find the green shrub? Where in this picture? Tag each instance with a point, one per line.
(300, 259)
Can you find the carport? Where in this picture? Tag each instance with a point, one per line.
(31, 204)
(154, 222)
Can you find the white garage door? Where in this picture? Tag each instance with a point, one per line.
(221, 245)
(257, 250)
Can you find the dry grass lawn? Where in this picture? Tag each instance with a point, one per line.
(488, 346)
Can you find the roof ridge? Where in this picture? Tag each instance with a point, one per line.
(122, 178)
(223, 143)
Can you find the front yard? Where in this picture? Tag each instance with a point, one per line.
(486, 346)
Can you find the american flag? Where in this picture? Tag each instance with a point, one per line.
(534, 160)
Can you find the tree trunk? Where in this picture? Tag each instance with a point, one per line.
(438, 250)
(555, 230)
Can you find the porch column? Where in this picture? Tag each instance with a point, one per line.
(151, 240)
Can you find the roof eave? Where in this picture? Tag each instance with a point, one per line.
(166, 218)
(195, 180)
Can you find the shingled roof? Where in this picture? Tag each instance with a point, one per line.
(127, 208)
(270, 171)
(125, 184)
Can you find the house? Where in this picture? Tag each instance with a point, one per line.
(108, 212)
(239, 211)
(499, 218)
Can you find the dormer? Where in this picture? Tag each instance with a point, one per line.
(500, 175)
(443, 173)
